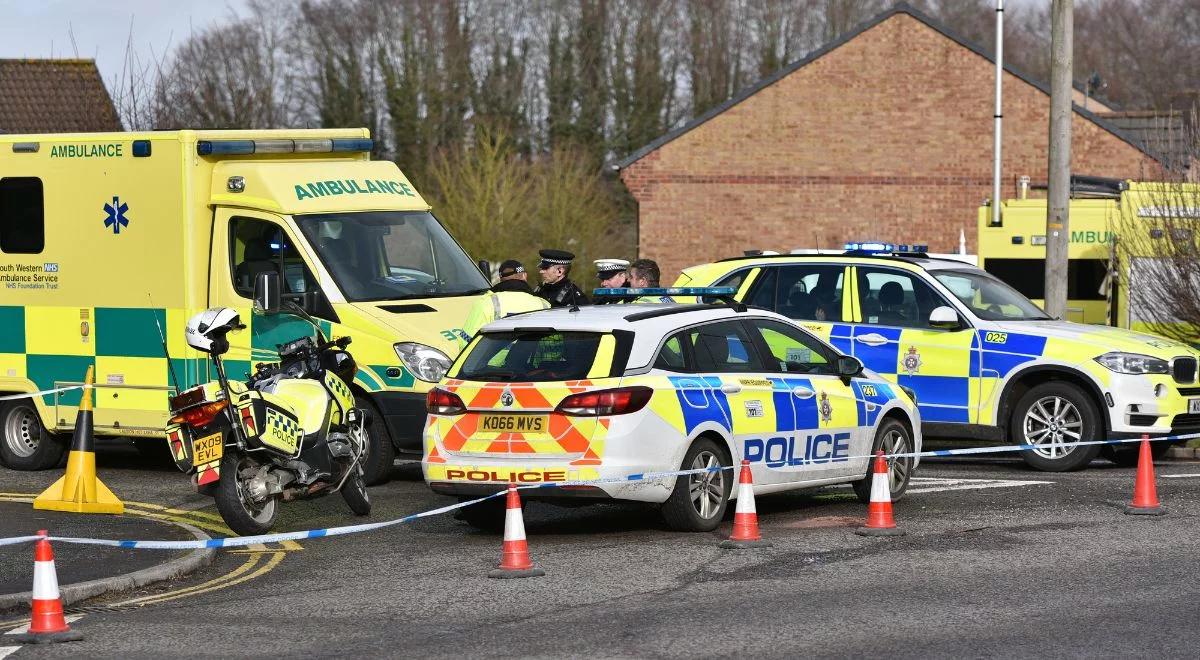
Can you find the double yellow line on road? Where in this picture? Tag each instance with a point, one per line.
(252, 568)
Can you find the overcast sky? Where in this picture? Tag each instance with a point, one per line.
(43, 28)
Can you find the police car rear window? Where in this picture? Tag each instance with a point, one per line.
(528, 356)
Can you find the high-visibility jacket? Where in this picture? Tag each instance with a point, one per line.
(499, 304)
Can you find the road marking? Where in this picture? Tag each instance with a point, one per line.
(24, 627)
(919, 485)
(1180, 476)
(276, 558)
(6, 651)
(215, 582)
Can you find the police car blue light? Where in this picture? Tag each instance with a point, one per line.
(871, 248)
(667, 291)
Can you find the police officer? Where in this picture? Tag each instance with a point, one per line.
(612, 275)
(511, 295)
(556, 286)
(644, 274)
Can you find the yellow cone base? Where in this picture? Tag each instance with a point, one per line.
(79, 490)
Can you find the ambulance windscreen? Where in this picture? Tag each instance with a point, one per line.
(391, 255)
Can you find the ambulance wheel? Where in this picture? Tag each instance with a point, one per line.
(1126, 455)
(892, 437)
(377, 466)
(698, 501)
(1051, 416)
(486, 516)
(244, 515)
(26, 445)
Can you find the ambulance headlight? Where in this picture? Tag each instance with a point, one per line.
(1133, 363)
(425, 362)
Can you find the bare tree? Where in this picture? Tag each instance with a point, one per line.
(234, 76)
(1158, 245)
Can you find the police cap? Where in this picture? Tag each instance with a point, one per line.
(555, 258)
(606, 268)
(510, 267)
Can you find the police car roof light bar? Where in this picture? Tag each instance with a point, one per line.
(725, 294)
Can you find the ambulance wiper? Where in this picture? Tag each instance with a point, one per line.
(441, 294)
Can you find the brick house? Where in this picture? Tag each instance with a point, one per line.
(54, 96)
(884, 134)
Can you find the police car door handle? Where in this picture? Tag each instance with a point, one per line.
(731, 388)
(802, 392)
(872, 339)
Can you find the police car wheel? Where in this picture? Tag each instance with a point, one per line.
(698, 501)
(487, 516)
(1126, 455)
(1051, 417)
(377, 464)
(893, 438)
(26, 445)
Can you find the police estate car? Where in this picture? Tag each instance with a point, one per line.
(985, 362)
(614, 391)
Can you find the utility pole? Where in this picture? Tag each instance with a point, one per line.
(998, 115)
(1058, 203)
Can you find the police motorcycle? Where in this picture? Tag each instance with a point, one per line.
(291, 432)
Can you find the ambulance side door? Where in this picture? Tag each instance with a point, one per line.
(825, 419)
(895, 340)
(245, 244)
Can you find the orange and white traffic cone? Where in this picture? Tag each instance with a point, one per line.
(47, 623)
(745, 516)
(1145, 493)
(514, 554)
(879, 510)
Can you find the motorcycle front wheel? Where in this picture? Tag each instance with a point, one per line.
(243, 514)
(354, 491)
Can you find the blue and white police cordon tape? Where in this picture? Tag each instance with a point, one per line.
(236, 541)
(30, 395)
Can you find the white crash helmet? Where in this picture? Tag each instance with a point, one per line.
(206, 331)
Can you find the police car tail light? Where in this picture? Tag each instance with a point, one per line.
(618, 401)
(443, 402)
(200, 415)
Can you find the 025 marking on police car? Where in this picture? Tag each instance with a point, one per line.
(995, 337)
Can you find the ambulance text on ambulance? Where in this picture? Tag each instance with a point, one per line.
(353, 187)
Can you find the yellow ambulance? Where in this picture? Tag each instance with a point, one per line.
(110, 242)
(1103, 267)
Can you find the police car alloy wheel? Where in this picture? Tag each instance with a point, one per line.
(1052, 417)
(698, 501)
(893, 438)
(26, 445)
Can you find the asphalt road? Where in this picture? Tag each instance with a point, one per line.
(992, 567)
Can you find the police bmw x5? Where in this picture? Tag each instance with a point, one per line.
(614, 392)
(984, 361)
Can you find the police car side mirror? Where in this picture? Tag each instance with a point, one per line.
(267, 292)
(944, 318)
(848, 367)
